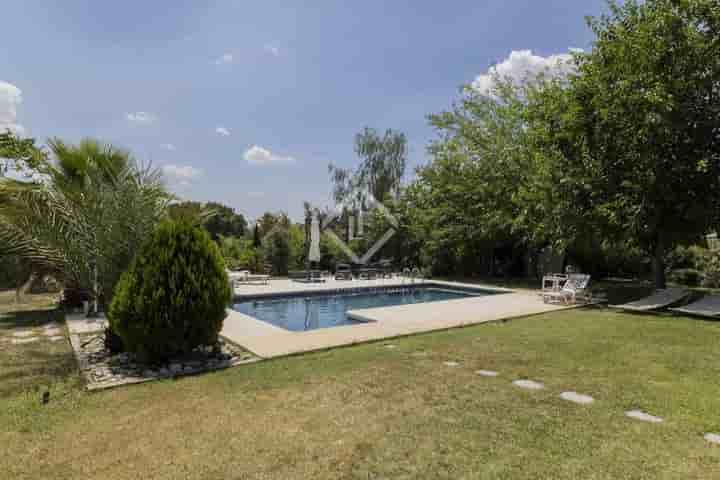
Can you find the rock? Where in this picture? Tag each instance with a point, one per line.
(51, 332)
(20, 341)
(528, 384)
(451, 364)
(23, 333)
(645, 417)
(577, 398)
(56, 338)
(487, 373)
(712, 438)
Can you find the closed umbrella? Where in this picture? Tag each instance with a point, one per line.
(314, 254)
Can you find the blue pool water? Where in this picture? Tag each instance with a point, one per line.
(300, 313)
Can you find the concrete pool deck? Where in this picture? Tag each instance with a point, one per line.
(268, 341)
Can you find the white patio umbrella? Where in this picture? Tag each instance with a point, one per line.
(314, 254)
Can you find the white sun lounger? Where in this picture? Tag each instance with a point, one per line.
(659, 299)
(244, 276)
(576, 288)
(708, 306)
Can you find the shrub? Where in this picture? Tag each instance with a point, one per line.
(682, 257)
(173, 297)
(277, 253)
(687, 276)
(712, 270)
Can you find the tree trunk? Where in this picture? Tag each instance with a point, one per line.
(659, 263)
(24, 287)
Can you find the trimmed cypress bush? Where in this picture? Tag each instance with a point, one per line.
(174, 295)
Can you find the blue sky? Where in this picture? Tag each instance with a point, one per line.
(247, 102)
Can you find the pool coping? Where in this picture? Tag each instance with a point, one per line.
(269, 341)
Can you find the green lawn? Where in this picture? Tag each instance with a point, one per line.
(371, 412)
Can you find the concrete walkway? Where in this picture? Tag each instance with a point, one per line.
(269, 341)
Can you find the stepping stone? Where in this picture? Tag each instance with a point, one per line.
(577, 398)
(487, 373)
(451, 364)
(20, 341)
(23, 333)
(529, 384)
(712, 438)
(645, 417)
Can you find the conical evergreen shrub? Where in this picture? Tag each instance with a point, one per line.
(174, 295)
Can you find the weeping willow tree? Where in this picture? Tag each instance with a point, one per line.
(81, 213)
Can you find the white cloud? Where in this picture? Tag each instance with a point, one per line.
(224, 59)
(181, 174)
(168, 146)
(222, 131)
(272, 50)
(141, 118)
(10, 98)
(522, 64)
(257, 155)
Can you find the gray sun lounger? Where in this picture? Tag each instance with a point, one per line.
(708, 306)
(658, 300)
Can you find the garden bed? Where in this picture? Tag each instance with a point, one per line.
(103, 369)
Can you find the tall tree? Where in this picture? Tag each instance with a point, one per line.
(382, 166)
(469, 198)
(634, 140)
(223, 221)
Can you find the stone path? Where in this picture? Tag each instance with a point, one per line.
(581, 399)
(23, 333)
(577, 398)
(645, 417)
(52, 331)
(529, 384)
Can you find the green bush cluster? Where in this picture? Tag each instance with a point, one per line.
(712, 270)
(174, 295)
(687, 265)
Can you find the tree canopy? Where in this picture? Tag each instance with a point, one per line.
(381, 169)
(626, 148)
(634, 138)
(219, 220)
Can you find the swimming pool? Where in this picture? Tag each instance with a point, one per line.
(329, 309)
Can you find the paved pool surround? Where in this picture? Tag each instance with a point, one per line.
(268, 341)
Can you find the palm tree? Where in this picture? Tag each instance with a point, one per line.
(83, 215)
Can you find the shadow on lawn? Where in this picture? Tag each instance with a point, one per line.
(29, 318)
(34, 366)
